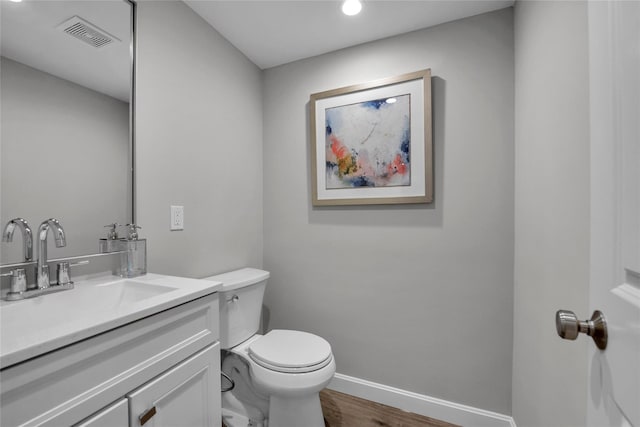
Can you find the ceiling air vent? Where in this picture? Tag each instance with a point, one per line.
(87, 32)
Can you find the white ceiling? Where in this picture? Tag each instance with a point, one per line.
(30, 35)
(268, 32)
(272, 33)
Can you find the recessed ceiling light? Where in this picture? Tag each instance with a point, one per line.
(351, 7)
(16, 1)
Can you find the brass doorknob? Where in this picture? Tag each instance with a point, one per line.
(569, 327)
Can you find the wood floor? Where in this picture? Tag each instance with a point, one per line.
(343, 410)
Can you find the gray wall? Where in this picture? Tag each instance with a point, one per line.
(551, 210)
(199, 144)
(62, 144)
(416, 297)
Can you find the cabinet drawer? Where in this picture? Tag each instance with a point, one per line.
(116, 415)
(66, 385)
(188, 395)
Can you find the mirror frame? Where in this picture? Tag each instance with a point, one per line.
(132, 110)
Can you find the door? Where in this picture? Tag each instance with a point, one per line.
(187, 395)
(614, 50)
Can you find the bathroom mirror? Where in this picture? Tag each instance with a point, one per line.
(66, 119)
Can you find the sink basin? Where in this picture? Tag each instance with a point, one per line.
(34, 326)
(73, 305)
(116, 294)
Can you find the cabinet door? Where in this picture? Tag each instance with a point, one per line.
(187, 395)
(116, 415)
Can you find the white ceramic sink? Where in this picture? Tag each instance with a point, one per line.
(33, 326)
(75, 304)
(122, 292)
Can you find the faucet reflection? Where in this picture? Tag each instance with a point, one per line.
(27, 236)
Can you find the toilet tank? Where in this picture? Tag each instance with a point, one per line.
(240, 304)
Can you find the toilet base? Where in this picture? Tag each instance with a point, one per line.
(233, 419)
(282, 413)
(287, 412)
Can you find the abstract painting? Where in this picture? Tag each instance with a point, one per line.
(368, 144)
(371, 143)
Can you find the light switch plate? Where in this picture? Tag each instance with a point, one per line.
(177, 217)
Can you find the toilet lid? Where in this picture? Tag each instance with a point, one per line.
(291, 351)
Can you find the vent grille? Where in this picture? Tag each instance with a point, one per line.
(87, 32)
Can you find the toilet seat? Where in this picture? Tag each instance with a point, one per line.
(290, 351)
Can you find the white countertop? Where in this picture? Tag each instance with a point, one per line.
(34, 326)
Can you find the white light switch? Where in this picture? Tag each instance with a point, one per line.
(177, 217)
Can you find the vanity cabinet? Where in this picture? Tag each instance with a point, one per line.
(167, 363)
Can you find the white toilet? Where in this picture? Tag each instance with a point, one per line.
(276, 377)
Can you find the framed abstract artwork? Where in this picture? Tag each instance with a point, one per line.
(371, 143)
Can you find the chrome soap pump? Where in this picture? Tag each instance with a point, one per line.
(133, 260)
(111, 242)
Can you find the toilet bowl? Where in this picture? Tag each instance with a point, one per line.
(276, 376)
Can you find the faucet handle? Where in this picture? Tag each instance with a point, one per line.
(63, 273)
(18, 284)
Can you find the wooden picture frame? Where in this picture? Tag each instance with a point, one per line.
(371, 143)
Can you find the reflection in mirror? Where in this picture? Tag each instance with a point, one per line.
(65, 92)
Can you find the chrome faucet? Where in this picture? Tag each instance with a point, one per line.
(43, 231)
(27, 236)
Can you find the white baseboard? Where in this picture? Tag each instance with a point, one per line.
(451, 412)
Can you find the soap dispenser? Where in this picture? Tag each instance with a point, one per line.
(111, 242)
(133, 260)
